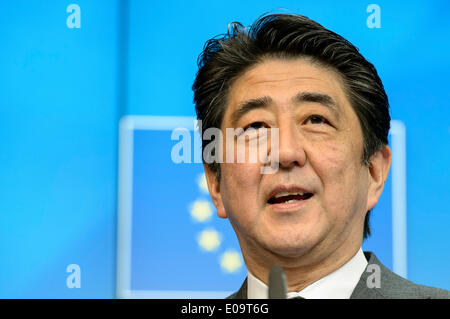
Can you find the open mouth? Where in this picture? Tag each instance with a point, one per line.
(289, 197)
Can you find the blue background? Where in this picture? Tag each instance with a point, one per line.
(63, 91)
(164, 249)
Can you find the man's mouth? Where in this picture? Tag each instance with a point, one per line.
(289, 197)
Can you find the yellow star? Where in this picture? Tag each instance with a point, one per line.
(231, 261)
(201, 210)
(209, 240)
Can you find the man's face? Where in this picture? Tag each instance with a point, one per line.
(317, 199)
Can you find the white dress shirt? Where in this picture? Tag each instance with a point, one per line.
(337, 285)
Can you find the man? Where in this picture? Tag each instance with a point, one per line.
(331, 114)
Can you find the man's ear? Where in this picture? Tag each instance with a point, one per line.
(214, 191)
(380, 162)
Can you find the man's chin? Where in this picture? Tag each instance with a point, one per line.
(289, 250)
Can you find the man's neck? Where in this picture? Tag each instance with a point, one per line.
(339, 284)
(299, 274)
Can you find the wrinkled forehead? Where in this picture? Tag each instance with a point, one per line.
(282, 80)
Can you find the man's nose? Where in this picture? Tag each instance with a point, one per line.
(291, 146)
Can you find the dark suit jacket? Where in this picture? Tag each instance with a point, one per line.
(391, 286)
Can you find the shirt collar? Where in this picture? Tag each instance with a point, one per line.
(337, 285)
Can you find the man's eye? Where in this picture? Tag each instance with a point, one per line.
(316, 119)
(255, 125)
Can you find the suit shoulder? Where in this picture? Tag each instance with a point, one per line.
(399, 287)
(241, 293)
(393, 286)
(232, 296)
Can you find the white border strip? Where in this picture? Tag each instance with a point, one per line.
(399, 236)
(125, 191)
(175, 294)
(163, 123)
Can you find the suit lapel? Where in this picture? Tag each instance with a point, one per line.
(362, 291)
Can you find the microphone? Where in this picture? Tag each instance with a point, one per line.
(277, 283)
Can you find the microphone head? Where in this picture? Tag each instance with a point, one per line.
(277, 283)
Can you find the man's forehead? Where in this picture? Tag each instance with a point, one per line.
(279, 74)
(280, 79)
(278, 70)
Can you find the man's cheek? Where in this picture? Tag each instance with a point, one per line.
(240, 186)
(242, 175)
(334, 169)
(329, 161)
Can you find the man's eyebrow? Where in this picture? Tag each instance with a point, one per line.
(317, 97)
(265, 101)
(248, 105)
